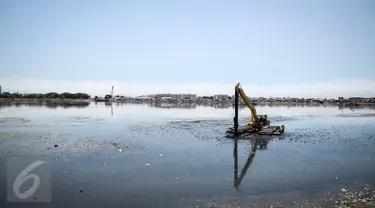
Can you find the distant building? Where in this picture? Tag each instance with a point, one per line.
(240, 99)
(358, 99)
(221, 97)
(173, 96)
(164, 96)
(188, 96)
(176, 96)
(205, 98)
(142, 98)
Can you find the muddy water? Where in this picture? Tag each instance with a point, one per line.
(133, 155)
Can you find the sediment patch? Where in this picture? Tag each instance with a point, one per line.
(13, 120)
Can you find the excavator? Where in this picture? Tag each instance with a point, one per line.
(258, 123)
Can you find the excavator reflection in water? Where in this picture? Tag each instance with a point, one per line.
(255, 145)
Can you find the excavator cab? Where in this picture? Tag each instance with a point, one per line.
(260, 122)
(263, 121)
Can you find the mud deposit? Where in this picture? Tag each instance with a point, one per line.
(137, 156)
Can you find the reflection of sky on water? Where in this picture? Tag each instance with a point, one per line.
(143, 111)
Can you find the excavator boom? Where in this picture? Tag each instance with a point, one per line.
(247, 102)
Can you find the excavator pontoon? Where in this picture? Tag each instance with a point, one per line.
(259, 124)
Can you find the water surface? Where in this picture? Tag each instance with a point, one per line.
(134, 155)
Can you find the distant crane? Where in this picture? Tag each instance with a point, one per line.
(109, 97)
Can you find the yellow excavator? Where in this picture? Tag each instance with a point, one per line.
(258, 123)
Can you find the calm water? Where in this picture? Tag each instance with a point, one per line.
(133, 155)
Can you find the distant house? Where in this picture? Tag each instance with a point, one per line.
(188, 96)
(309, 100)
(241, 100)
(357, 99)
(262, 99)
(176, 96)
(221, 97)
(142, 98)
(166, 98)
(279, 100)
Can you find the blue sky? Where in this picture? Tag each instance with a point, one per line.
(204, 44)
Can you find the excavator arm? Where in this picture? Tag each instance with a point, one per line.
(248, 103)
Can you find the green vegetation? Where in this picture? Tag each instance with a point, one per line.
(50, 95)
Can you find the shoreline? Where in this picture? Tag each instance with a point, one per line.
(228, 103)
(36, 100)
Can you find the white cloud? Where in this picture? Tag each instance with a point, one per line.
(332, 89)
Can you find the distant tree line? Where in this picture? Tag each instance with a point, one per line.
(50, 95)
(48, 105)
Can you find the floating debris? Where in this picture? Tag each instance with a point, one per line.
(87, 144)
(347, 198)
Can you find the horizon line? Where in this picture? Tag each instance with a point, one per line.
(333, 89)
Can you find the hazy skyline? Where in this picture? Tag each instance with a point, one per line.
(274, 48)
